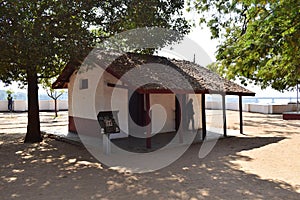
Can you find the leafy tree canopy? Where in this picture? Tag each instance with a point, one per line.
(38, 37)
(260, 39)
(44, 35)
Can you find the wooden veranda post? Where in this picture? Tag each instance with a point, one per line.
(203, 116)
(224, 115)
(241, 114)
(147, 120)
(183, 112)
(179, 117)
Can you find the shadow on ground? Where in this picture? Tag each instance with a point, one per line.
(59, 170)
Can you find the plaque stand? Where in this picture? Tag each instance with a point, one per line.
(106, 144)
(108, 121)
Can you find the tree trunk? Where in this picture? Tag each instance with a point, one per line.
(33, 134)
(55, 107)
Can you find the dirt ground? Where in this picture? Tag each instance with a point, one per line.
(262, 164)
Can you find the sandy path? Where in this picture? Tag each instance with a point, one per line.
(262, 165)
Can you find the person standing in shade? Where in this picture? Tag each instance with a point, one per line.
(10, 102)
(190, 114)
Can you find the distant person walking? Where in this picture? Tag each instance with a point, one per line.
(10, 102)
(190, 113)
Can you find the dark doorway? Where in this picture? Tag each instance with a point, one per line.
(177, 112)
(139, 105)
(136, 110)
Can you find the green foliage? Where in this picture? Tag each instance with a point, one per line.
(261, 39)
(39, 37)
(35, 35)
(215, 67)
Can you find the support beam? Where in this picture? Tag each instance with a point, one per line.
(147, 120)
(179, 118)
(203, 116)
(184, 114)
(241, 114)
(224, 115)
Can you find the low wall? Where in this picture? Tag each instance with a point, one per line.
(45, 105)
(258, 108)
(272, 108)
(229, 106)
(48, 105)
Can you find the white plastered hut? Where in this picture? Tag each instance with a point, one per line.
(96, 89)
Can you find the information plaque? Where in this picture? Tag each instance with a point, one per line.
(108, 120)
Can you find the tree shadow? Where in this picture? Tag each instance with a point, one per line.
(59, 170)
(263, 122)
(264, 116)
(272, 125)
(267, 124)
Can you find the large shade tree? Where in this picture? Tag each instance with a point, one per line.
(38, 37)
(260, 39)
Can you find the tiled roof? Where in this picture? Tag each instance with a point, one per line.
(155, 74)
